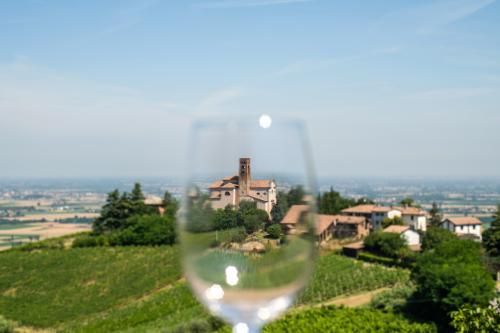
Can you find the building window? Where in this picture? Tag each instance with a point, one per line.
(227, 193)
(263, 193)
(258, 193)
(412, 217)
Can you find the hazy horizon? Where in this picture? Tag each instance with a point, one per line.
(388, 89)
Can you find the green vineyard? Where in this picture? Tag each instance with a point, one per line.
(336, 275)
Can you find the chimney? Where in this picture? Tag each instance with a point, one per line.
(244, 176)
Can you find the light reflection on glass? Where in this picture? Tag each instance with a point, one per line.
(232, 275)
(215, 292)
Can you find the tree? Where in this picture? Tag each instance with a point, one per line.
(137, 204)
(491, 237)
(110, 215)
(332, 202)
(274, 231)
(252, 223)
(436, 217)
(386, 243)
(407, 202)
(225, 218)
(435, 236)
(167, 199)
(250, 217)
(396, 220)
(469, 319)
(365, 201)
(296, 195)
(146, 230)
(280, 208)
(199, 214)
(450, 276)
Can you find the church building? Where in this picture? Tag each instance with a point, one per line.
(234, 189)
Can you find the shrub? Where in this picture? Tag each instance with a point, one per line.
(239, 236)
(252, 223)
(450, 276)
(274, 231)
(225, 218)
(470, 319)
(393, 300)
(48, 244)
(146, 230)
(6, 326)
(90, 241)
(386, 243)
(435, 236)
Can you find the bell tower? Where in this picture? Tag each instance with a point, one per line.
(244, 176)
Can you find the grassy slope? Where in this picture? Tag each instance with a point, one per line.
(134, 289)
(48, 287)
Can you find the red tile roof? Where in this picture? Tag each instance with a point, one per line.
(467, 220)
(397, 229)
(359, 209)
(323, 222)
(293, 214)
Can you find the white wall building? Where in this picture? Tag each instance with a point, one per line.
(463, 226)
(234, 189)
(380, 213)
(412, 237)
(414, 217)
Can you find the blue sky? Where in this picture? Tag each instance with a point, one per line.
(388, 88)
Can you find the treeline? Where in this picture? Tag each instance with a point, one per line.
(126, 220)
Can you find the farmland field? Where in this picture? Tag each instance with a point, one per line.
(139, 289)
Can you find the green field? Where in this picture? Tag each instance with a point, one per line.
(139, 289)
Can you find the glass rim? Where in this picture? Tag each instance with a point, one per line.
(247, 122)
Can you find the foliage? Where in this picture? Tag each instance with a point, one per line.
(407, 202)
(252, 223)
(48, 287)
(450, 276)
(435, 215)
(336, 275)
(386, 243)
(90, 241)
(374, 258)
(146, 230)
(394, 299)
(119, 208)
(52, 244)
(365, 201)
(226, 218)
(250, 217)
(332, 202)
(491, 237)
(332, 320)
(434, 236)
(274, 230)
(239, 236)
(199, 214)
(280, 208)
(6, 326)
(295, 196)
(477, 319)
(396, 220)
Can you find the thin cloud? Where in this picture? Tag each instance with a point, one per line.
(425, 19)
(215, 101)
(248, 3)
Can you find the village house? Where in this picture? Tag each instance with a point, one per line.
(463, 226)
(327, 226)
(241, 187)
(412, 237)
(414, 217)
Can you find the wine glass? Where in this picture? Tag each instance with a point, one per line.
(247, 221)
